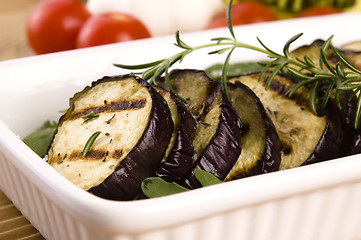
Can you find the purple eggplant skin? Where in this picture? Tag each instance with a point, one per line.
(180, 159)
(124, 183)
(223, 150)
(356, 147)
(329, 145)
(351, 142)
(270, 159)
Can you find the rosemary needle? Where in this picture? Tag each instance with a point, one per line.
(90, 142)
(89, 116)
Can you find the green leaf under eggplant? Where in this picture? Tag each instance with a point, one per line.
(154, 187)
(39, 141)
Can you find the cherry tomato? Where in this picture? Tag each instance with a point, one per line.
(53, 25)
(244, 13)
(110, 28)
(316, 11)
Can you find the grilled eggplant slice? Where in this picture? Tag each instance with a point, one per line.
(351, 140)
(351, 52)
(180, 158)
(352, 46)
(135, 124)
(305, 137)
(195, 87)
(222, 129)
(312, 51)
(261, 147)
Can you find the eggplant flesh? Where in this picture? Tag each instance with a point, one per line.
(352, 54)
(312, 51)
(135, 125)
(304, 136)
(261, 148)
(195, 87)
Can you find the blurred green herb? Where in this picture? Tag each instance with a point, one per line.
(40, 140)
(154, 187)
(235, 69)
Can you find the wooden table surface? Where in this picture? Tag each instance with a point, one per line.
(13, 15)
(13, 44)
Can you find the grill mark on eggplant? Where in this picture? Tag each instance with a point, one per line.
(117, 154)
(112, 107)
(93, 155)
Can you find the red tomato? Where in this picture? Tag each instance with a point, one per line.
(244, 13)
(316, 11)
(110, 28)
(53, 25)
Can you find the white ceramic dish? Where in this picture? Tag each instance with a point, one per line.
(322, 201)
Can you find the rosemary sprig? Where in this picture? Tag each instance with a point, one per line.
(327, 80)
(90, 143)
(89, 117)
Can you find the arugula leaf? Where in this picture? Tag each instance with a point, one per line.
(40, 140)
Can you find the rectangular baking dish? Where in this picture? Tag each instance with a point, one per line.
(320, 201)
